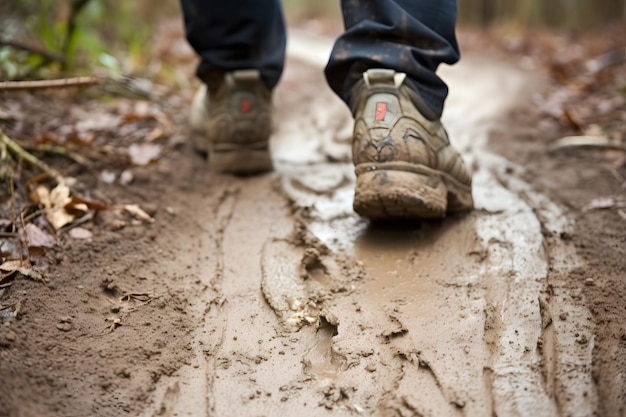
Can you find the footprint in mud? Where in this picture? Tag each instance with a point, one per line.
(322, 361)
(299, 278)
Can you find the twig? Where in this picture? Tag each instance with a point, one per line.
(122, 85)
(48, 56)
(58, 83)
(26, 156)
(60, 150)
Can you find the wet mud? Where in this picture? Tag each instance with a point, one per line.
(321, 312)
(285, 302)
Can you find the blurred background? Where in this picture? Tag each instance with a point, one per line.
(46, 38)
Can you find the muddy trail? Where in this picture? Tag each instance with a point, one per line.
(268, 296)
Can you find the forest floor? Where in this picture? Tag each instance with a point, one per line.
(147, 285)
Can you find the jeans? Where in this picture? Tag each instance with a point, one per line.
(410, 36)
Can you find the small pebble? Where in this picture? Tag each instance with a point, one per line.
(64, 327)
(589, 282)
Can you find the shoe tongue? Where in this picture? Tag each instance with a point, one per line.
(379, 77)
(244, 77)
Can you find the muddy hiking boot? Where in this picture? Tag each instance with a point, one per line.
(404, 163)
(232, 123)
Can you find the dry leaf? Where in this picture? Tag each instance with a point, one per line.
(144, 153)
(39, 238)
(138, 213)
(126, 177)
(41, 195)
(83, 204)
(13, 265)
(54, 203)
(80, 233)
(600, 203)
(11, 247)
(108, 177)
(156, 133)
(98, 122)
(22, 267)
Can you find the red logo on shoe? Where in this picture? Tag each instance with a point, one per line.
(381, 111)
(245, 105)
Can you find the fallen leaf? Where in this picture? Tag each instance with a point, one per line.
(143, 153)
(98, 122)
(600, 142)
(56, 214)
(156, 133)
(572, 117)
(82, 204)
(39, 238)
(108, 177)
(13, 265)
(80, 233)
(60, 195)
(54, 203)
(11, 247)
(126, 177)
(41, 195)
(23, 267)
(138, 213)
(600, 203)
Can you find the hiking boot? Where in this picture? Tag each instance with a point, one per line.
(233, 123)
(405, 166)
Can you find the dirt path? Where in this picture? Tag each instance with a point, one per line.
(451, 318)
(269, 296)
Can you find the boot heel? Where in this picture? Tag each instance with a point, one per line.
(385, 194)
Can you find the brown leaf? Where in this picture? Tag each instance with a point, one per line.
(39, 238)
(13, 265)
(572, 117)
(82, 203)
(22, 267)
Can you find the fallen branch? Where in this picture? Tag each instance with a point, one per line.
(60, 150)
(594, 142)
(137, 89)
(58, 83)
(20, 152)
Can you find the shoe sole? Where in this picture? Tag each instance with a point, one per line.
(242, 161)
(398, 190)
(235, 159)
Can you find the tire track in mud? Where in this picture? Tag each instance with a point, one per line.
(313, 311)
